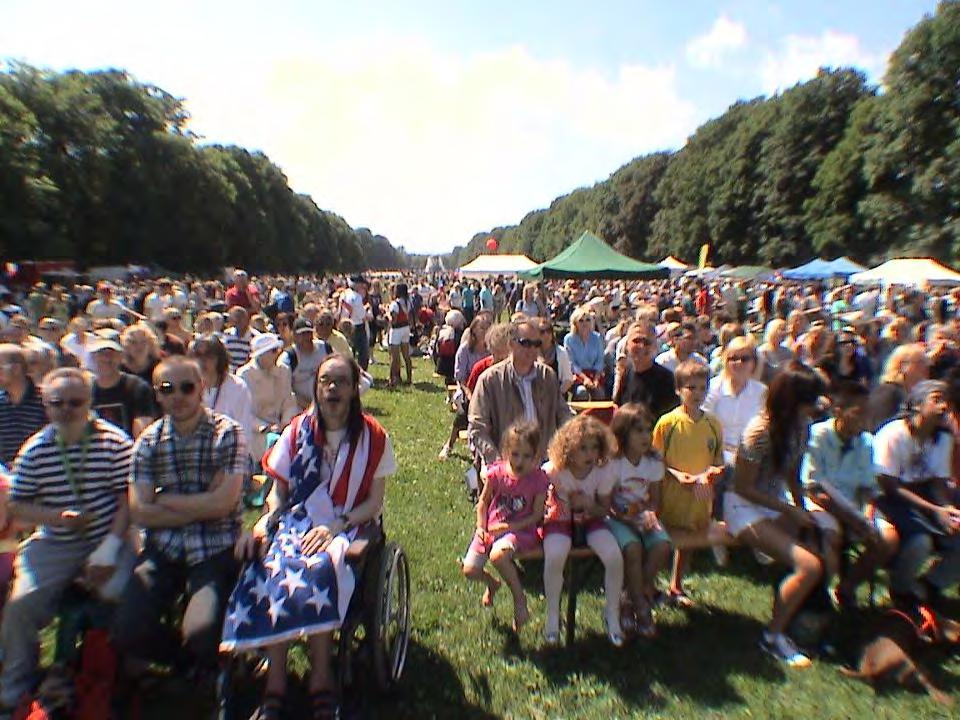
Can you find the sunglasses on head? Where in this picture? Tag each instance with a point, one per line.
(186, 387)
(58, 403)
(529, 342)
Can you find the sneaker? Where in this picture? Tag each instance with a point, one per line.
(763, 558)
(782, 648)
(721, 555)
(444, 453)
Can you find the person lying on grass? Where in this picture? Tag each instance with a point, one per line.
(581, 483)
(508, 512)
(633, 520)
(330, 468)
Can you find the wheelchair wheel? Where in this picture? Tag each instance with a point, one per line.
(390, 631)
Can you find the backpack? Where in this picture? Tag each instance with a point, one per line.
(293, 359)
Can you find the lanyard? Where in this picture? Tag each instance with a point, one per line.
(75, 481)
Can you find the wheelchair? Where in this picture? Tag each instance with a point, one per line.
(372, 643)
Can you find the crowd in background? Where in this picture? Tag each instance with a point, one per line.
(824, 411)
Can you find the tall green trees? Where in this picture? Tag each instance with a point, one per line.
(101, 168)
(827, 167)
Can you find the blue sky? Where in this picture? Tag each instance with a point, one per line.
(428, 121)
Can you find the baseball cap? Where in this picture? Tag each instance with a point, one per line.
(302, 325)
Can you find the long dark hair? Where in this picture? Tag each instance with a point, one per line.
(211, 345)
(796, 385)
(355, 416)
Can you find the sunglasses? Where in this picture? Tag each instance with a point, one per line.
(740, 358)
(57, 403)
(644, 341)
(186, 387)
(529, 342)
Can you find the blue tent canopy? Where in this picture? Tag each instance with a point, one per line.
(813, 270)
(818, 269)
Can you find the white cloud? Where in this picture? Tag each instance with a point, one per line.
(724, 37)
(800, 56)
(428, 147)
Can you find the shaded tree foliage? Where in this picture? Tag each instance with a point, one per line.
(102, 168)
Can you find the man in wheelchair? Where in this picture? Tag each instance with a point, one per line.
(329, 467)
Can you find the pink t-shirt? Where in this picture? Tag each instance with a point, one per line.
(513, 497)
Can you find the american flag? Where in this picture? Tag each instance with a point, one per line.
(287, 594)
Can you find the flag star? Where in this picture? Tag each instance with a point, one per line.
(318, 599)
(292, 581)
(273, 564)
(240, 615)
(260, 590)
(311, 560)
(276, 610)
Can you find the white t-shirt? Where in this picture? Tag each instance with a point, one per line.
(351, 304)
(599, 481)
(632, 492)
(388, 461)
(897, 453)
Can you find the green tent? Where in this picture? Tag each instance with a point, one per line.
(591, 257)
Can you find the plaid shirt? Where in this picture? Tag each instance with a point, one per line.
(163, 459)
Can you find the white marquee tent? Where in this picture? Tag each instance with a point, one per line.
(484, 265)
(671, 263)
(908, 271)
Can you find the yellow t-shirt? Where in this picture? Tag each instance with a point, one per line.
(688, 445)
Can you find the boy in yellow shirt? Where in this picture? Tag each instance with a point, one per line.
(691, 444)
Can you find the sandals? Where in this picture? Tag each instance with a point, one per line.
(323, 705)
(270, 708)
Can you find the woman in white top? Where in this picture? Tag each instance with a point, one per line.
(734, 397)
(223, 392)
(271, 390)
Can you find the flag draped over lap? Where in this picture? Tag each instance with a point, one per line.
(287, 594)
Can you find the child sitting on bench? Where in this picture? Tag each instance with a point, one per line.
(508, 513)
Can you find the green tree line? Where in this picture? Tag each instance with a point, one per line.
(100, 168)
(829, 167)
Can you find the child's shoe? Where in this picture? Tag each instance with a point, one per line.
(782, 648)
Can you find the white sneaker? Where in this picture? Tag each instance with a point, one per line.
(721, 555)
(763, 558)
(783, 648)
(444, 453)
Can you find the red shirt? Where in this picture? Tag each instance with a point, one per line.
(236, 296)
(478, 367)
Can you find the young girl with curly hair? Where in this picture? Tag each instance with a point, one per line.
(581, 483)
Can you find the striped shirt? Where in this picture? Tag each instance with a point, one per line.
(188, 465)
(19, 421)
(238, 347)
(41, 476)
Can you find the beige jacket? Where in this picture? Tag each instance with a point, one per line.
(273, 401)
(496, 403)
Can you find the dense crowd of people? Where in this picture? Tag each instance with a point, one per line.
(791, 418)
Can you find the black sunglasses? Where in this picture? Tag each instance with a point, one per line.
(529, 342)
(58, 403)
(187, 387)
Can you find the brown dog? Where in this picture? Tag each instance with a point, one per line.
(887, 658)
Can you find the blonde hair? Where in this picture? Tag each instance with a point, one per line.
(581, 429)
(741, 342)
(580, 313)
(772, 327)
(893, 368)
(140, 329)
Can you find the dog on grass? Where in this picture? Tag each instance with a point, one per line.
(889, 656)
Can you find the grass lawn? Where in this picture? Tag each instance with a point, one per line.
(464, 663)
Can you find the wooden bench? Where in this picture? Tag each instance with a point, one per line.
(716, 534)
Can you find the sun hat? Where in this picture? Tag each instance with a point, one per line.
(264, 343)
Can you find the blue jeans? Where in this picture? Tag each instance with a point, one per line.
(361, 345)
